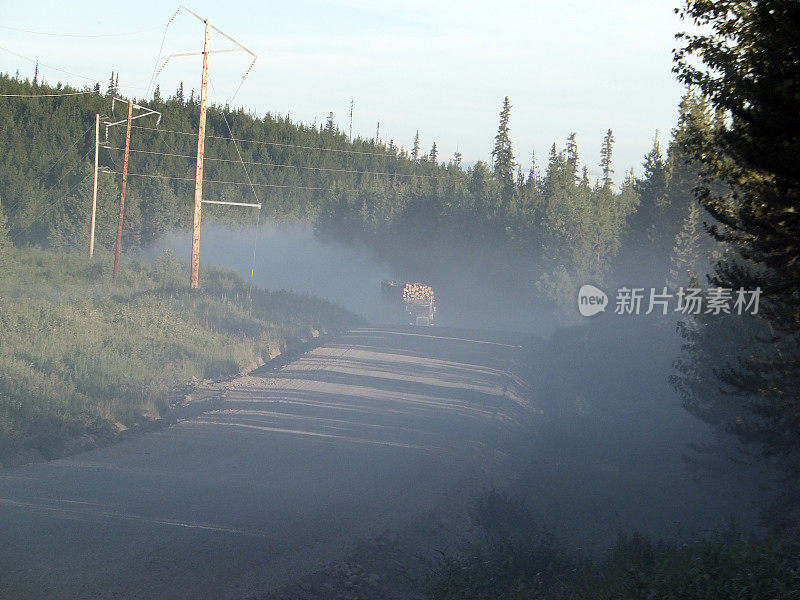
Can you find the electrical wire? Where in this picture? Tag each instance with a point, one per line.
(239, 183)
(76, 35)
(280, 144)
(133, 87)
(160, 50)
(268, 164)
(12, 209)
(43, 95)
(47, 210)
(250, 181)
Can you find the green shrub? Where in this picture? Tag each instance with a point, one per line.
(514, 559)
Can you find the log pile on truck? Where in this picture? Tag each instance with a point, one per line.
(419, 302)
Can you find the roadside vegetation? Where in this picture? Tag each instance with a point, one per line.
(516, 559)
(82, 356)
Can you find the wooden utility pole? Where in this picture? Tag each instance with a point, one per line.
(194, 279)
(94, 190)
(198, 178)
(124, 184)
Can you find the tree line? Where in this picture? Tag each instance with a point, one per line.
(564, 227)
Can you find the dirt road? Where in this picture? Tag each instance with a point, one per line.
(289, 473)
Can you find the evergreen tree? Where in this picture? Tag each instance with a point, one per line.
(572, 154)
(330, 126)
(36, 74)
(179, 97)
(686, 253)
(457, 158)
(532, 172)
(434, 154)
(606, 152)
(502, 153)
(415, 149)
(749, 146)
(112, 88)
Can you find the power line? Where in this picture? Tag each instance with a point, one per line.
(161, 48)
(280, 144)
(54, 204)
(77, 35)
(12, 209)
(95, 79)
(44, 95)
(239, 183)
(267, 164)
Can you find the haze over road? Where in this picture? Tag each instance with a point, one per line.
(370, 431)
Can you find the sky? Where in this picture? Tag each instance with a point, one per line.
(438, 67)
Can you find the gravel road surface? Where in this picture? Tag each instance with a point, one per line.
(288, 473)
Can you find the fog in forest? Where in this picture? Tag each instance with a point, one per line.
(613, 448)
(291, 257)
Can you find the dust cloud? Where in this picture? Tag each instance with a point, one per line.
(291, 257)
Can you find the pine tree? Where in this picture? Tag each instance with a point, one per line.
(572, 154)
(415, 149)
(330, 127)
(532, 172)
(502, 153)
(179, 97)
(683, 266)
(606, 151)
(112, 90)
(748, 145)
(434, 154)
(97, 89)
(457, 158)
(36, 74)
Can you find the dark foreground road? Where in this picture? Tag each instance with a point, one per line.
(296, 467)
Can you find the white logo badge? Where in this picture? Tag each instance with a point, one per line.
(591, 300)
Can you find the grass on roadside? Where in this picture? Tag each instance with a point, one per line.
(81, 354)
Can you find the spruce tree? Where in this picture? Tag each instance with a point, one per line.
(502, 153)
(749, 144)
(434, 154)
(606, 152)
(686, 254)
(572, 154)
(415, 149)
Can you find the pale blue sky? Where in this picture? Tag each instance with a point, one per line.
(440, 67)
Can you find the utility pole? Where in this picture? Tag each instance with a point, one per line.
(351, 121)
(130, 118)
(198, 178)
(122, 194)
(94, 190)
(194, 280)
